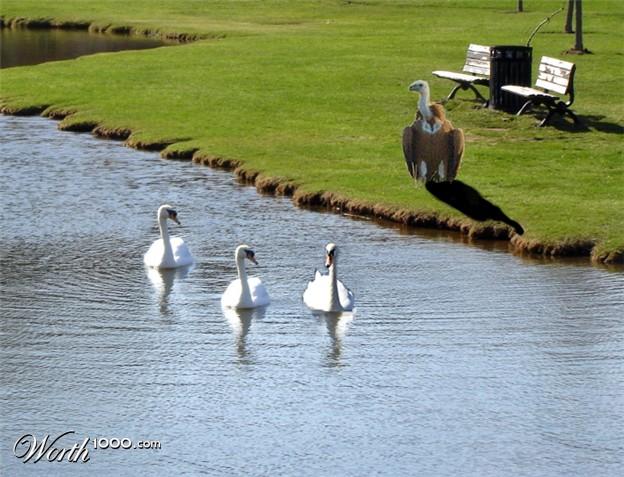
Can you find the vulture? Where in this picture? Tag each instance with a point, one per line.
(433, 148)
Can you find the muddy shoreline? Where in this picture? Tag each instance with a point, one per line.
(49, 23)
(329, 200)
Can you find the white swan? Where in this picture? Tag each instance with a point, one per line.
(326, 292)
(167, 252)
(245, 292)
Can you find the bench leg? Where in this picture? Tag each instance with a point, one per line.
(524, 107)
(573, 116)
(477, 94)
(552, 110)
(465, 86)
(550, 114)
(562, 110)
(454, 91)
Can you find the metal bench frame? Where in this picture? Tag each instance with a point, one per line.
(554, 76)
(477, 66)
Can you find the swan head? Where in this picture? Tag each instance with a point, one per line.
(331, 251)
(167, 212)
(420, 86)
(245, 252)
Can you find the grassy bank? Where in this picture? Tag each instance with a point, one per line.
(315, 94)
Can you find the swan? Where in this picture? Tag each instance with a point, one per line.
(245, 292)
(167, 252)
(326, 292)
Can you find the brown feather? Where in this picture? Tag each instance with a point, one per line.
(425, 152)
(438, 111)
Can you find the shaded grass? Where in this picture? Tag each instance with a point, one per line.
(315, 93)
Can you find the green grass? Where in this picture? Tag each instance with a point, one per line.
(316, 92)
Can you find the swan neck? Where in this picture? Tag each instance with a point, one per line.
(242, 276)
(164, 234)
(333, 293)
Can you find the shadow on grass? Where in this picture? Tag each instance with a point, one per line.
(470, 202)
(587, 123)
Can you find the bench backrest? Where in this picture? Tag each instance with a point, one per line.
(478, 60)
(555, 75)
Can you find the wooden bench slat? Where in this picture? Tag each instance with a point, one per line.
(557, 88)
(477, 70)
(482, 48)
(558, 80)
(566, 65)
(478, 56)
(525, 91)
(458, 76)
(480, 64)
(552, 70)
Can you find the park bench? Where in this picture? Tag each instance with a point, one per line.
(476, 71)
(554, 76)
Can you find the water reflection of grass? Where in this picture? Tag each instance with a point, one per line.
(317, 93)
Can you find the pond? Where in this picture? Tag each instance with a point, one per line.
(21, 46)
(459, 359)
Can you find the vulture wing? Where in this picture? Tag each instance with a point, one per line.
(457, 152)
(408, 151)
(432, 156)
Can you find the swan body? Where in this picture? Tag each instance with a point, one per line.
(167, 252)
(326, 292)
(245, 292)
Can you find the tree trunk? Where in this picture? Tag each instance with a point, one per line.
(578, 43)
(520, 6)
(568, 23)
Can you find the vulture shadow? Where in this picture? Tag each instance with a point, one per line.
(470, 202)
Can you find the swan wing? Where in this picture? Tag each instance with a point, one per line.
(346, 297)
(315, 294)
(181, 253)
(154, 255)
(259, 294)
(232, 294)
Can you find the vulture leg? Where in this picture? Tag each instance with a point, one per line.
(469, 201)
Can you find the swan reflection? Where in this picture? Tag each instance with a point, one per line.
(162, 281)
(240, 323)
(337, 324)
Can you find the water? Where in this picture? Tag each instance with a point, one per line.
(19, 47)
(458, 361)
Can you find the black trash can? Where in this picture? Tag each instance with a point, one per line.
(509, 65)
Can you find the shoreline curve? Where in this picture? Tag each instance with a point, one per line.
(329, 200)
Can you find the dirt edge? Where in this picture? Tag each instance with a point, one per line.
(51, 23)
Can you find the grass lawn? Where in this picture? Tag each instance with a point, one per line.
(315, 92)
